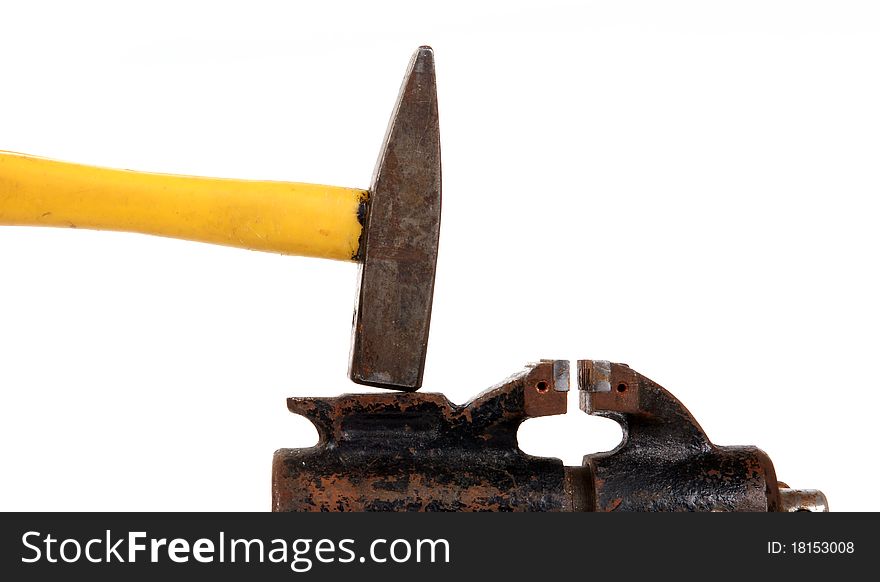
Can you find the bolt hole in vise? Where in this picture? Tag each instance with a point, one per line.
(419, 452)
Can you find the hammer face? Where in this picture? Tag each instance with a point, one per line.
(400, 240)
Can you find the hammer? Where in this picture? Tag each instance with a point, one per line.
(392, 230)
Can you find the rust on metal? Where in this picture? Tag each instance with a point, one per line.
(793, 500)
(419, 452)
(665, 461)
(399, 241)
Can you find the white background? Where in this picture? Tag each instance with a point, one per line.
(688, 187)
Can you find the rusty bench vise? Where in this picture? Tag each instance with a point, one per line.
(419, 452)
(405, 451)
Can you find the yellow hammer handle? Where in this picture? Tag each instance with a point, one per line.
(281, 217)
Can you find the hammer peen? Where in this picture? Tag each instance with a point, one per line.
(392, 230)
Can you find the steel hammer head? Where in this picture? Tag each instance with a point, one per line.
(398, 247)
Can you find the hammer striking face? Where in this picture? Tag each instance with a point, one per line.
(392, 229)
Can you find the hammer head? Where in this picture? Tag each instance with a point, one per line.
(398, 248)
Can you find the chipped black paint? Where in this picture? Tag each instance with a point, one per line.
(419, 452)
(665, 461)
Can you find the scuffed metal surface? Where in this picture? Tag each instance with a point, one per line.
(400, 240)
(665, 461)
(419, 452)
(794, 500)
